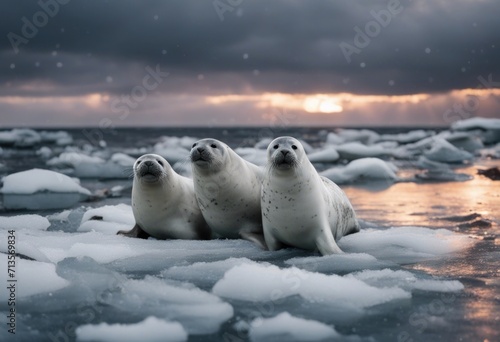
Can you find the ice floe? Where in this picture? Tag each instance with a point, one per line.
(361, 170)
(151, 329)
(41, 189)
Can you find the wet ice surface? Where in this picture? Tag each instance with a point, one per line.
(423, 268)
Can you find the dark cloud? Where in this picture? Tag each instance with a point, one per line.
(280, 46)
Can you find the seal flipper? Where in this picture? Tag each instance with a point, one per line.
(135, 232)
(326, 244)
(256, 238)
(272, 243)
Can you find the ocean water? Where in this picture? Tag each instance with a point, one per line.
(100, 284)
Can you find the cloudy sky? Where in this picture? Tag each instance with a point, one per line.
(248, 62)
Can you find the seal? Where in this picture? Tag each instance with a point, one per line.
(164, 203)
(227, 188)
(300, 208)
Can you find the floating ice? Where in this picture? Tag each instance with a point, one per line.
(204, 273)
(20, 137)
(73, 159)
(338, 263)
(122, 159)
(261, 283)
(405, 244)
(356, 150)
(174, 149)
(285, 327)
(328, 154)
(61, 138)
(198, 311)
(362, 169)
(334, 139)
(252, 155)
(406, 280)
(30, 222)
(108, 219)
(463, 140)
(44, 152)
(477, 122)
(151, 329)
(263, 143)
(33, 277)
(41, 189)
(490, 128)
(443, 151)
(364, 136)
(406, 138)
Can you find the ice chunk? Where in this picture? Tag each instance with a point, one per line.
(263, 143)
(73, 159)
(356, 150)
(198, 311)
(151, 329)
(443, 151)
(122, 159)
(463, 140)
(362, 169)
(339, 263)
(364, 136)
(41, 189)
(261, 283)
(253, 155)
(204, 273)
(32, 277)
(31, 222)
(19, 137)
(108, 219)
(285, 327)
(334, 139)
(405, 244)
(406, 280)
(61, 138)
(406, 138)
(174, 149)
(477, 122)
(36, 180)
(326, 155)
(44, 152)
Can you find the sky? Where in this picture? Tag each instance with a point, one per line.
(73, 63)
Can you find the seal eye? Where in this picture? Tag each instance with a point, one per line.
(294, 147)
(138, 162)
(276, 146)
(194, 145)
(160, 162)
(213, 146)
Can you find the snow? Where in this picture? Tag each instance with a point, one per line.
(33, 277)
(151, 329)
(362, 169)
(285, 327)
(338, 263)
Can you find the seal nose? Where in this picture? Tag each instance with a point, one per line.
(285, 152)
(200, 149)
(148, 163)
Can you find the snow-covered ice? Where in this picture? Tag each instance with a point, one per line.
(41, 189)
(285, 327)
(151, 329)
(362, 170)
